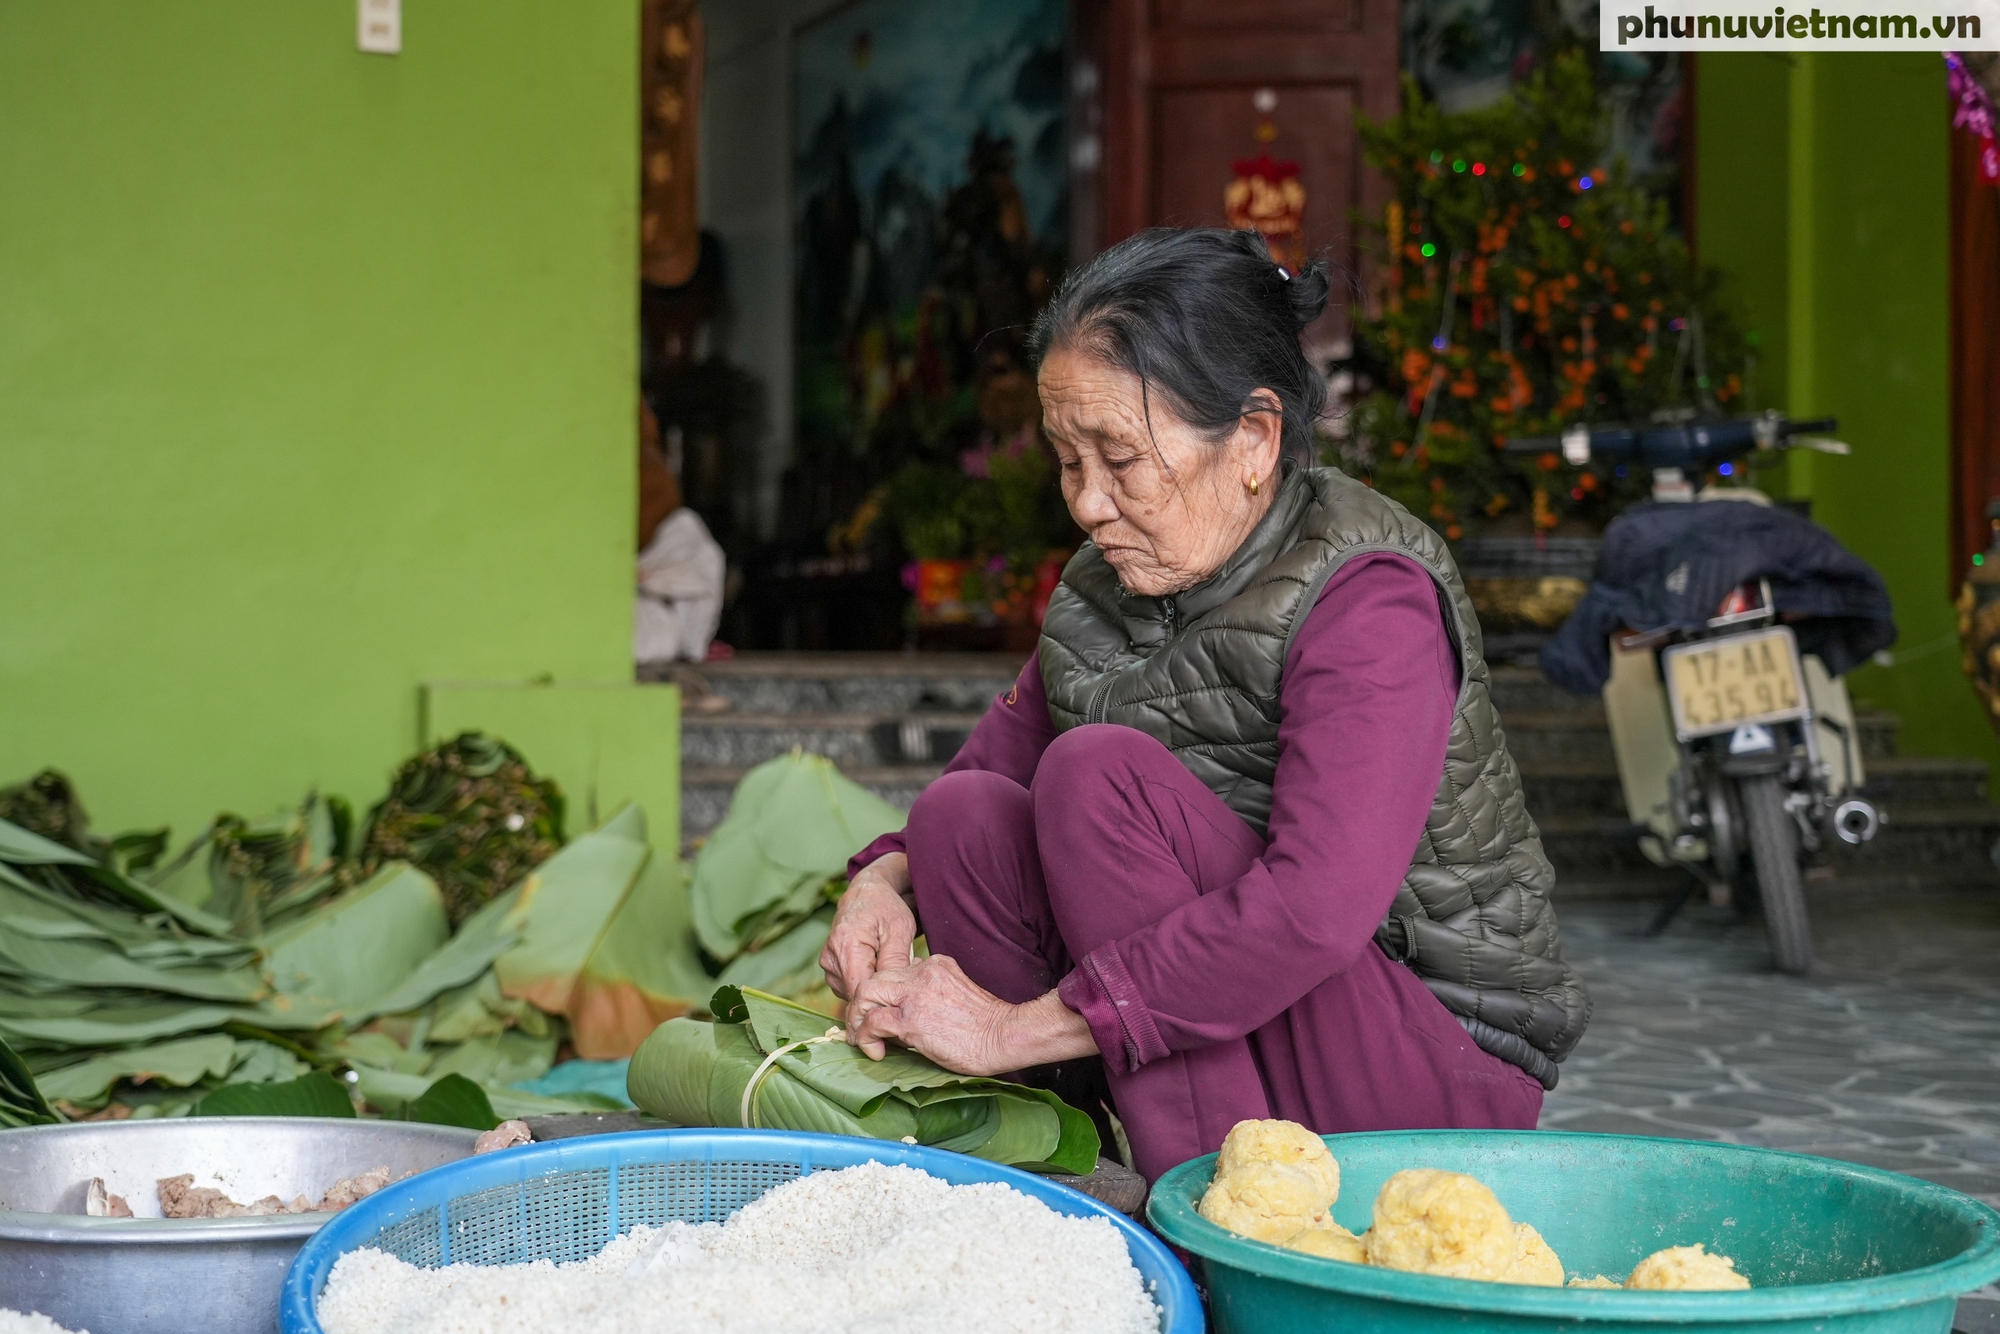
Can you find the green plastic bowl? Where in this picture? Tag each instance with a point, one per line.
(1829, 1246)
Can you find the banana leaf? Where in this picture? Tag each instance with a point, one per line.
(180, 1063)
(70, 1022)
(605, 940)
(508, 1058)
(695, 1073)
(21, 1101)
(39, 910)
(393, 1093)
(564, 907)
(793, 822)
(261, 872)
(262, 1063)
(786, 966)
(644, 970)
(60, 867)
(459, 962)
(362, 945)
(314, 1094)
(97, 964)
(379, 1050)
(479, 1010)
(454, 1101)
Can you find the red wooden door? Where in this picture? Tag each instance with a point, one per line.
(1181, 79)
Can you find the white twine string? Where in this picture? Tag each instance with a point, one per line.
(756, 1083)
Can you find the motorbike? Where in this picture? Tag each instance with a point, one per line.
(1737, 751)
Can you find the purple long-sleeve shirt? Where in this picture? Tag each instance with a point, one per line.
(1366, 699)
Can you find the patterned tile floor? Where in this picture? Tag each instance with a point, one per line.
(1888, 1054)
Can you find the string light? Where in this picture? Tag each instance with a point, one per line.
(1438, 342)
(1978, 559)
(1436, 156)
(1727, 469)
(1563, 221)
(1429, 250)
(1479, 169)
(1458, 164)
(1520, 169)
(1584, 182)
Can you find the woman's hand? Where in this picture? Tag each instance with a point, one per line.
(934, 1009)
(873, 928)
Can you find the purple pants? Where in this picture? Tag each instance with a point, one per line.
(1017, 883)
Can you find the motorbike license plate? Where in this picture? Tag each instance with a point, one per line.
(1721, 684)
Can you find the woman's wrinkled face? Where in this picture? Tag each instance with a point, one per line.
(1167, 506)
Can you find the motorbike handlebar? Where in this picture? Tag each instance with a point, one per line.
(1692, 445)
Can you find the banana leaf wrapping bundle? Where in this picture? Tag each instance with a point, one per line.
(767, 1062)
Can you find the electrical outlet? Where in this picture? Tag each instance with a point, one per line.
(381, 30)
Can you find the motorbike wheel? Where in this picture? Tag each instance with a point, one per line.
(1774, 852)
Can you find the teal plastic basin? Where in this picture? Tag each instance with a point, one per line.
(1827, 1245)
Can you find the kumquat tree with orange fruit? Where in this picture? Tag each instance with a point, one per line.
(1525, 285)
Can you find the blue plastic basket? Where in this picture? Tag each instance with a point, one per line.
(567, 1200)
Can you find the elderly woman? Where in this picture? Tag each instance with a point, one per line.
(1246, 827)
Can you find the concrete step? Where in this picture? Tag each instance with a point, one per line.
(850, 740)
(1573, 787)
(1907, 784)
(1526, 690)
(1945, 844)
(1940, 845)
(1528, 700)
(1569, 737)
(1581, 735)
(858, 682)
(1897, 783)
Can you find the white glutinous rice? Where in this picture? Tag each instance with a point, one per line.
(29, 1322)
(872, 1249)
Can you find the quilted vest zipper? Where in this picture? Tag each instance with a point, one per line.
(1099, 701)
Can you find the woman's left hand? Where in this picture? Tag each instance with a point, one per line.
(934, 1009)
(930, 1007)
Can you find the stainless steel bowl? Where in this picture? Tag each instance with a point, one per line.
(154, 1274)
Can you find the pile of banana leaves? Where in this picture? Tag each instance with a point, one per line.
(714, 1074)
(269, 960)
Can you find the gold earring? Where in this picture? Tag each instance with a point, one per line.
(1253, 483)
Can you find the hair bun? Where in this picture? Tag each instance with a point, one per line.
(1308, 291)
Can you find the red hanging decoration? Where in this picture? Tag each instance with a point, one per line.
(1268, 197)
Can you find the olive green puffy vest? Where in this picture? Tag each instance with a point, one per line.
(1201, 672)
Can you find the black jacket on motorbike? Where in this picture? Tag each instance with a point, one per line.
(1672, 564)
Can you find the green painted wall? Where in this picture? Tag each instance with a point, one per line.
(1822, 194)
(316, 381)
